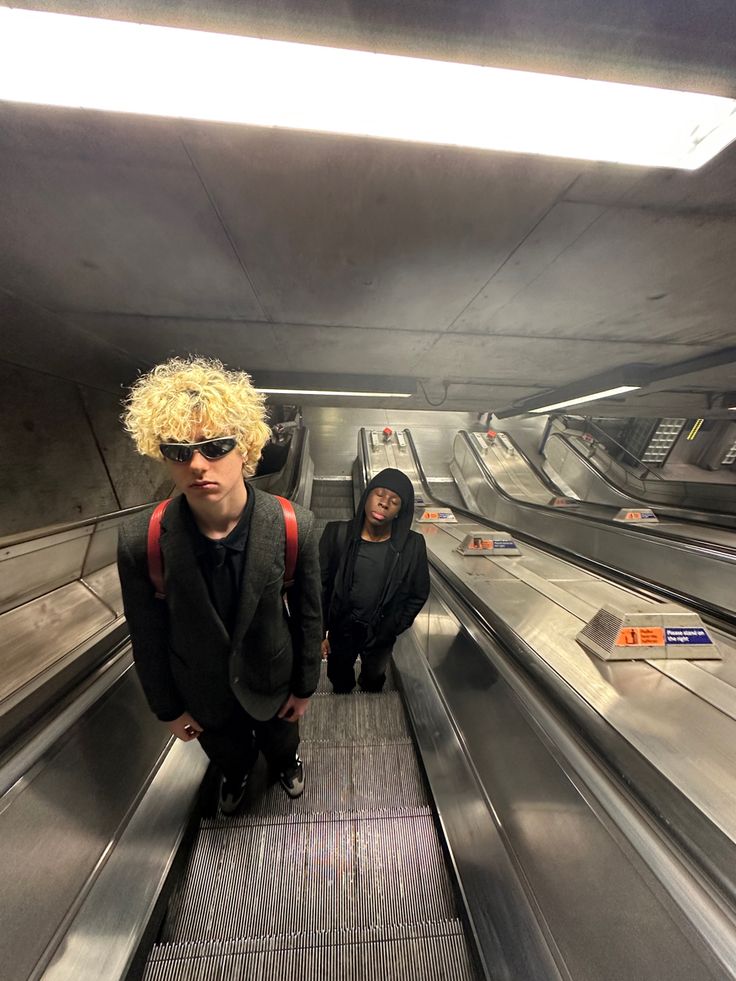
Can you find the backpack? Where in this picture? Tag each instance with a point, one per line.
(155, 558)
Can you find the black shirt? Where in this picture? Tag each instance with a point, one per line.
(368, 579)
(222, 562)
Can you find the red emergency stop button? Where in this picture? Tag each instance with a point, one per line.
(388, 432)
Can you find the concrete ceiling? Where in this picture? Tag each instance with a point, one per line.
(485, 278)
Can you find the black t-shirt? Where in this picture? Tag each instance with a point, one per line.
(222, 562)
(368, 579)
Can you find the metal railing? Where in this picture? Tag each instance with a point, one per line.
(589, 424)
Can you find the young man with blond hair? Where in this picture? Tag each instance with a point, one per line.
(222, 658)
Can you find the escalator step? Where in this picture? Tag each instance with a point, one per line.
(425, 951)
(356, 718)
(325, 686)
(333, 492)
(331, 512)
(343, 485)
(346, 778)
(312, 872)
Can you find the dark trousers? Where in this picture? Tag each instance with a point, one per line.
(346, 646)
(234, 745)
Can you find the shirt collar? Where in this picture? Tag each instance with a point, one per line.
(236, 540)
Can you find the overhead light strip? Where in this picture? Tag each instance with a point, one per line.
(92, 63)
(317, 391)
(588, 398)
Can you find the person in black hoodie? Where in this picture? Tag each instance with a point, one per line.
(375, 580)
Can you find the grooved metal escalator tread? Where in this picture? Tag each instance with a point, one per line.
(332, 500)
(331, 512)
(348, 881)
(346, 778)
(430, 951)
(325, 686)
(339, 871)
(355, 719)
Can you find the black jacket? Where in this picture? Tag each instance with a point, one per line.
(406, 586)
(184, 656)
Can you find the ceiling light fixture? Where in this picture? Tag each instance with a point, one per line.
(92, 63)
(588, 398)
(317, 391)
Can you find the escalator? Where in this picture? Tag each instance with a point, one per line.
(686, 563)
(654, 721)
(458, 825)
(349, 880)
(332, 500)
(596, 476)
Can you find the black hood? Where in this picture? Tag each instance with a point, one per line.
(399, 483)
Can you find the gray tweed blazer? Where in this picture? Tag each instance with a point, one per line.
(185, 658)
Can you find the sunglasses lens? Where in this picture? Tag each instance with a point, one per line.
(178, 452)
(212, 449)
(216, 448)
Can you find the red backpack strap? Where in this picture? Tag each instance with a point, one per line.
(153, 545)
(292, 540)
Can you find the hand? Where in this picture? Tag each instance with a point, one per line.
(185, 728)
(293, 708)
(325, 649)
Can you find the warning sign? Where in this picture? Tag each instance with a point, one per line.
(488, 544)
(439, 515)
(640, 514)
(687, 635)
(483, 543)
(478, 544)
(640, 637)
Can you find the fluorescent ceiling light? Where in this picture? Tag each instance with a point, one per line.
(62, 60)
(588, 398)
(316, 391)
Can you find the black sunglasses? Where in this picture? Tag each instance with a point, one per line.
(211, 449)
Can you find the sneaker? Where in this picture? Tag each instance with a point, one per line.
(232, 793)
(374, 687)
(292, 780)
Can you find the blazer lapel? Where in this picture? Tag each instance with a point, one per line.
(259, 559)
(179, 558)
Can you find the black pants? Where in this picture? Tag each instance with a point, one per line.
(234, 745)
(346, 645)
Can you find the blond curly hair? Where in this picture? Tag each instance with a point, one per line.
(183, 394)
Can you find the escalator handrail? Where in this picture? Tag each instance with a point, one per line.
(715, 615)
(21, 538)
(717, 549)
(671, 510)
(589, 424)
(539, 473)
(674, 813)
(300, 441)
(363, 458)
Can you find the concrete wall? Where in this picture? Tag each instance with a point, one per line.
(709, 447)
(63, 451)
